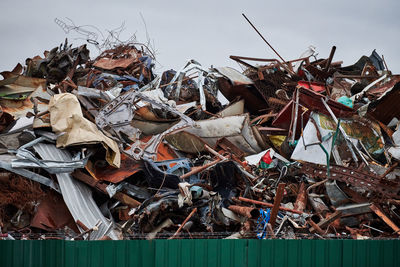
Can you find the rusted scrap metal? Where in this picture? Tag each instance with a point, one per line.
(180, 155)
(245, 211)
(183, 224)
(301, 200)
(124, 198)
(359, 178)
(326, 221)
(385, 218)
(277, 202)
(268, 205)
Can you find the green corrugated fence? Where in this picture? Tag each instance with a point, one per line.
(200, 252)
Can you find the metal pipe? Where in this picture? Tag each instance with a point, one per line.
(385, 218)
(277, 202)
(183, 224)
(269, 205)
(328, 63)
(263, 37)
(301, 200)
(215, 153)
(296, 113)
(248, 212)
(200, 168)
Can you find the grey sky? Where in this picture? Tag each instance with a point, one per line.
(210, 31)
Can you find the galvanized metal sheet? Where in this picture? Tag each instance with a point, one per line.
(77, 196)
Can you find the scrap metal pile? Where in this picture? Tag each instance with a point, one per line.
(108, 149)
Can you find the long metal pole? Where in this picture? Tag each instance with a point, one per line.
(262, 37)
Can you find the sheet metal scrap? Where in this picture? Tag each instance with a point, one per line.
(142, 154)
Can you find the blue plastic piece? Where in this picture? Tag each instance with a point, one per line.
(262, 223)
(346, 101)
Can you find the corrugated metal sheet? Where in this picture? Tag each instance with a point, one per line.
(77, 195)
(193, 253)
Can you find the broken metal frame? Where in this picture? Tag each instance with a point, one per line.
(202, 74)
(140, 149)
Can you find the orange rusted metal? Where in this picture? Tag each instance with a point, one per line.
(248, 212)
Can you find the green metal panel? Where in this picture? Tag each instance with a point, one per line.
(200, 253)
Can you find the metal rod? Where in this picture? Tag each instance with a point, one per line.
(277, 202)
(328, 63)
(183, 224)
(301, 200)
(215, 153)
(385, 218)
(269, 205)
(248, 212)
(263, 37)
(373, 228)
(390, 169)
(296, 113)
(199, 169)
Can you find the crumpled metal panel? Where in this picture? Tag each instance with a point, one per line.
(383, 108)
(5, 164)
(235, 128)
(77, 196)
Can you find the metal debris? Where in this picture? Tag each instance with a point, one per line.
(110, 149)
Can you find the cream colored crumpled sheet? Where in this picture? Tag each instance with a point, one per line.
(66, 117)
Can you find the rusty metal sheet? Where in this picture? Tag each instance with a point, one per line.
(5, 120)
(110, 64)
(386, 107)
(253, 100)
(19, 87)
(108, 173)
(121, 57)
(53, 214)
(315, 86)
(20, 108)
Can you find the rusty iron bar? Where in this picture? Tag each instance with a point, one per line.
(277, 202)
(89, 180)
(315, 227)
(269, 205)
(248, 212)
(390, 169)
(301, 200)
(82, 225)
(328, 63)
(196, 170)
(385, 218)
(88, 230)
(328, 220)
(215, 153)
(271, 231)
(183, 224)
(263, 37)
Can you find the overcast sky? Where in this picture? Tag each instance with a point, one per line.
(210, 31)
